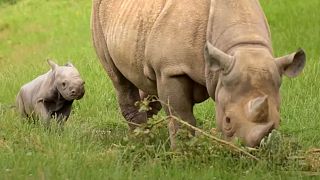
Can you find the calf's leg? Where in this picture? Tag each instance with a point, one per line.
(41, 112)
(20, 105)
(63, 114)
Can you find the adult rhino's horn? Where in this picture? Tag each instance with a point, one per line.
(258, 108)
(216, 59)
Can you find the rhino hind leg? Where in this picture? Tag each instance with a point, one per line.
(127, 93)
(20, 105)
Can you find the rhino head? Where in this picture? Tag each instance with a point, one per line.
(247, 93)
(67, 80)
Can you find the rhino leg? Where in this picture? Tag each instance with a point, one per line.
(177, 97)
(64, 113)
(20, 105)
(41, 112)
(127, 93)
(155, 106)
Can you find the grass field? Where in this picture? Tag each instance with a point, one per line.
(95, 143)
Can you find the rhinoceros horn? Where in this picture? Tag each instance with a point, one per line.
(258, 108)
(216, 59)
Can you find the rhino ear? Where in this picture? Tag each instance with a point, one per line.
(216, 59)
(69, 64)
(292, 64)
(53, 65)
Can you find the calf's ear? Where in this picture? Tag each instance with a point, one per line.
(216, 59)
(52, 64)
(69, 64)
(292, 65)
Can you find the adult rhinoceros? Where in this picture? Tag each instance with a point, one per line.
(184, 51)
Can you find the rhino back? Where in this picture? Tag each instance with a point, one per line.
(39, 88)
(147, 38)
(126, 25)
(176, 42)
(29, 92)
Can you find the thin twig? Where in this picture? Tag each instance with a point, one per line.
(132, 123)
(226, 143)
(157, 122)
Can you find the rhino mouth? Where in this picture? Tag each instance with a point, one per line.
(229, 131)
(62, 96)
(256, 134)
(74, 97)
(78, 96)
(69, 96)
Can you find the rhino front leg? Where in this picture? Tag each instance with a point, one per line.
(42, 113)
(176, 95)
(64, 113)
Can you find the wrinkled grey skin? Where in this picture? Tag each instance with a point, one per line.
(185, 51)
(51, 95)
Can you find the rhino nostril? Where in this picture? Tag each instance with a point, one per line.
(228, 120)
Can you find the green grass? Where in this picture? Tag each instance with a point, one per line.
(95, 143)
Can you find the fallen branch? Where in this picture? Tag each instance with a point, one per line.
(296, 158)
(314, 150)
(304, 173)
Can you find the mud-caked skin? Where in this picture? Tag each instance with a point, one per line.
(185, 51)
(51, 95)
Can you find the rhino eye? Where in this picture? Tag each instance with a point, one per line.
(63, 84)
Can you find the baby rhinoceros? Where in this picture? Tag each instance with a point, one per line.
(51, 95)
